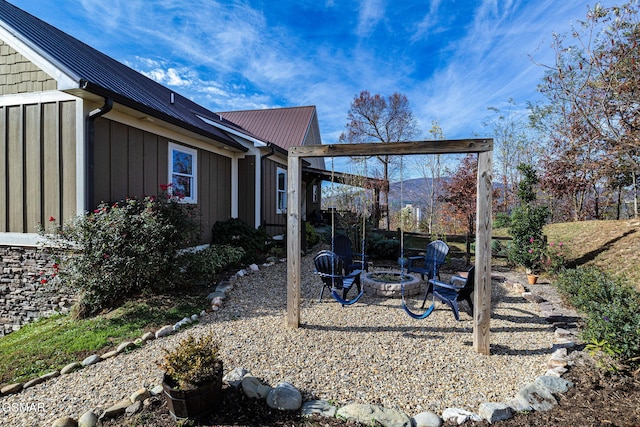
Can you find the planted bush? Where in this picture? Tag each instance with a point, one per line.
(212, 260)
(255, 242)
(612, 309)
(123, 249)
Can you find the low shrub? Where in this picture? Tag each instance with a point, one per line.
(612, 309)
(311, 235)
(501, 220)
(212, 260)
(255, 242)
(379, 247)
(122, 249)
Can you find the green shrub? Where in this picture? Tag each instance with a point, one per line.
(379, 247)
(311, 235)
(501, 220)
(611, 306)
(209, 261)
(255, 242)
(193, 362)
(123, 249)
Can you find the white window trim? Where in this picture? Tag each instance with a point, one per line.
(194, 188)
(278, 191)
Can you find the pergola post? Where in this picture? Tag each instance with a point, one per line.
(294, 221)
(482, 292)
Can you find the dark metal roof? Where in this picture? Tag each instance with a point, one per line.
(286, 127)
(104, 76)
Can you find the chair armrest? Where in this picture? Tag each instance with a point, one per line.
(458, 279)
(354, 273)
(437, 283)
(415, 258)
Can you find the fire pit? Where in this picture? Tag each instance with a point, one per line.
(389, 283)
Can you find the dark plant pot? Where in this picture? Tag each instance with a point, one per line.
(193, 404)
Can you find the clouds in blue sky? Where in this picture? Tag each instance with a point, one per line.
(452, 58)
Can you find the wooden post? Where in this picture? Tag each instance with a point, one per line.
(294, 191)
(482, 293)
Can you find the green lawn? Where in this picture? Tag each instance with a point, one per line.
(51, 343)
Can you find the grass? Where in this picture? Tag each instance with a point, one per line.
(609, 245)
(51, 343)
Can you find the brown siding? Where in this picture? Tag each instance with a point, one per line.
(18, 75)
(130, 162)
(37, 164)
(247, 190)
(269, 216)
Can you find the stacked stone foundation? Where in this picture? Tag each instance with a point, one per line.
(23, 297)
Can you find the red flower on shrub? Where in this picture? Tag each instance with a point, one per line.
(51, 219)
(43, 281)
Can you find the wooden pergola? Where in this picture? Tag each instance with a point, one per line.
(484, 148)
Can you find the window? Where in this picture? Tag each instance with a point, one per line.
(183, 172)
(315, 193)
(281, 191)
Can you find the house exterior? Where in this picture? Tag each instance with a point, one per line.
(78, 128)
(286, 128)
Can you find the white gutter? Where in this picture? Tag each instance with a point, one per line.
(256, 142)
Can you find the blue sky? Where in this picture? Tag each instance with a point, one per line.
(451, 58)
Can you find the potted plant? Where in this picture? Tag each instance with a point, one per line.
(527, 220)
(192, 380)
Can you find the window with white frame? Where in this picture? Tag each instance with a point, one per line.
(281, 191)
(183, 163)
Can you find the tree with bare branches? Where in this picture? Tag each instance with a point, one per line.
(373, 118)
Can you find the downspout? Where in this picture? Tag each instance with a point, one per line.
(89, 150)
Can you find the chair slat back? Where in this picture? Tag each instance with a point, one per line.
(330, 268)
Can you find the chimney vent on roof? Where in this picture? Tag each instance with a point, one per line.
(172, 98)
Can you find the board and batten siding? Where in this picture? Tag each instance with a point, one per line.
(130, 162)
(247, 190)
(37, 164)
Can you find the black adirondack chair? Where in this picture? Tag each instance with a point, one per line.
(331, 269)
(431, 262)
(343, 247)
(458, 289)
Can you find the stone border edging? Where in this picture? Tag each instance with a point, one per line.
(537, 396)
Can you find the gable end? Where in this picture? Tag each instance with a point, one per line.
(19, 75)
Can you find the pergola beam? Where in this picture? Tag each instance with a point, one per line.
(484, 148)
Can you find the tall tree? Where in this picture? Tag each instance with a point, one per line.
(372, 118)
(430, 168)
(594, 87)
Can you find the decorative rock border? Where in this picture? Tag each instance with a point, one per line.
(537, 396)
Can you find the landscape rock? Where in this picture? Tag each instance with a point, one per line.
(554, 384)
(140, 395)
(493, 412)
(65, 422)
(459, 415)
(519, 404)
(88, 419)
(254, 267)
(284, 397)
(50, 375)
(124, 346)
(11, 389)
(164, 331)
(224, 287)
(368, 414)
(320, 407)
(427, 419)
(133, 408)
(156, 390)
(148, 336)
(70, 368)
(110, 354)
(116, 409)
(91, 360)
(234, 378)
(33, 382)
(216, 294)
(253, 388)
(194, 317)
(539, 398)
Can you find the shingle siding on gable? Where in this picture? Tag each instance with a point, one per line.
(19, 75)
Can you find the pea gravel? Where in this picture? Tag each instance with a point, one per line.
(370, 352)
